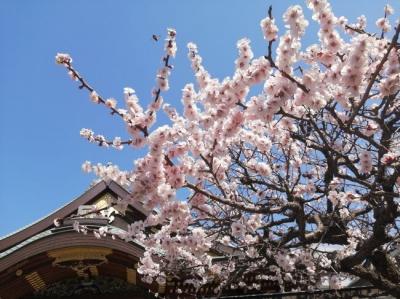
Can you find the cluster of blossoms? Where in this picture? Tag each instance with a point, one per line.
(289, 44)
(270, 30)
(329, 37)
(383, 23)
(63, 58)
(245, 54)
(354, 70)
(274, 178)
(390, 84)
(101, 140)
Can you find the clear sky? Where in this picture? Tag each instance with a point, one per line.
(42, 110)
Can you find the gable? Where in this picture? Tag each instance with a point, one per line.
(40, 256)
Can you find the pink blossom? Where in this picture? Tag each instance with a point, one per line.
(117, 143)
(63, 58)
(370, 129)
(87, 166)
(94, 97)
(294, 18)
(390, 85)
(170, 44)
(383, 24)
(238, 229)
(245, 53)
(389, 158)
(226, 240)
(73, 76)
(365, 162)
(388, 10)
(252, 252)
(57, 222)
(112, 103)
(361, 22)
(269, 29)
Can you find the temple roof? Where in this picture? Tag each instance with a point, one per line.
(41, 257)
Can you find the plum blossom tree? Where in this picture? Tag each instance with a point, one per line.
(297, 184)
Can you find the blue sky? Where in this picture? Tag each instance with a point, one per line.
(42, 110)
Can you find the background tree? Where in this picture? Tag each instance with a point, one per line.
(297, 184)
